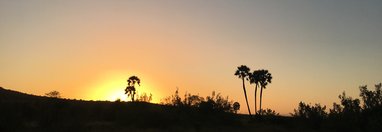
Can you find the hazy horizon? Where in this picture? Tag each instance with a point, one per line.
(87, 49)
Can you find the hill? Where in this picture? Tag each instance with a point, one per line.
(25, 112)
(15, 96)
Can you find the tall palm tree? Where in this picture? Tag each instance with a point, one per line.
(254, 78)
(130, 89)
(242, 72)
(265, 78)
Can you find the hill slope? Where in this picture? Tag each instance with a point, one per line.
(20, 111)
(14, 96)
(25, 112)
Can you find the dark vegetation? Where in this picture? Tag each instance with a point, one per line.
(261, 78)
(363, 114)
(53, 94)
(24, 112)
(243, 73)
(130, 89)
(215, 103)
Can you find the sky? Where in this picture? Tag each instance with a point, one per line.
(87, 49)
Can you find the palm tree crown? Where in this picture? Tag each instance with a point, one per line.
(133, 80)
(265, 78)
(242, 71)
(130, 89)
(254, 77)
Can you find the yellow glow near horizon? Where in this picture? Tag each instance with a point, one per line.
(87, 50)
(111, 85)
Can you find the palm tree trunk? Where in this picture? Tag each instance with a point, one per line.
(256, 99)
(246, 99)
(261, 98)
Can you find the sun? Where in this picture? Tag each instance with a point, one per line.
(111, 87)
(117, 95)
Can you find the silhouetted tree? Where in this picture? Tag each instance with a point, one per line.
(307, 111)
(314, 114)
(349, 112)
(264, 78)
(372, 107)
(130, 89)
(254, 78)
(348, 115)
(335, 111)
(242, 72)
(236, 107)
(371, 99)
(53, 94)
(350, 106)
(192, 100)
(221, 103)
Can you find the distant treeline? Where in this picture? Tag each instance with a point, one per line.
(363, 114)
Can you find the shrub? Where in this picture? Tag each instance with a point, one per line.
(53, 94)
(268, 112)
(213, 103)
(313, 114)
(236, 107)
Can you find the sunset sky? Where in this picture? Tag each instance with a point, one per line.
(87, 49)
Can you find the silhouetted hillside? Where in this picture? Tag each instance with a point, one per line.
(22, 112)
(15, 96)
(25, 112)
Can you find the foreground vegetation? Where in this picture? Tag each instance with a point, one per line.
(23, 112)
(363, 114)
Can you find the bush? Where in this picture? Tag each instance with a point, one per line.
(268, 112)
(307, 111)
(53, 94)
(313, 114)
(350, 115)
(213, 103)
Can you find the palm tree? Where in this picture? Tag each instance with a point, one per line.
(264, 78)
(242, 72)
(130, 89)
(255, 78)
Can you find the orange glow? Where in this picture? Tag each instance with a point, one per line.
(87, 50)
(111, 85)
